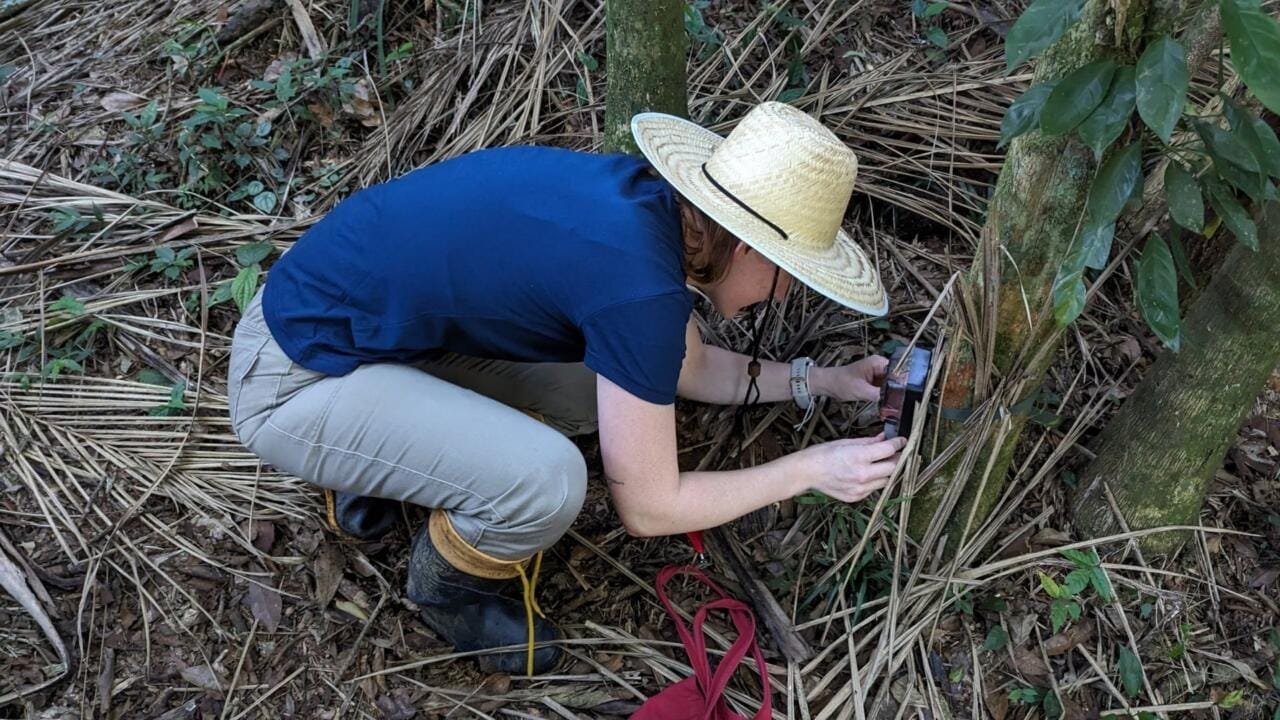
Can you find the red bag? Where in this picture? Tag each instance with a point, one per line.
(701, 696)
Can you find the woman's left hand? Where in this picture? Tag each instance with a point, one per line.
(857, 381)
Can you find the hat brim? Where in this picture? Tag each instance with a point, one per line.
(842, 271)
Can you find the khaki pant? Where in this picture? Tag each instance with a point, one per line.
(446, 434)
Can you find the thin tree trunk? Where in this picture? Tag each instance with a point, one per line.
(1163, 447)
(647, 51)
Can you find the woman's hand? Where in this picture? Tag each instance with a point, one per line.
(850, 470)
(858, 381)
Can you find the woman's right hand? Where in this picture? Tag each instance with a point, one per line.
(850, 470)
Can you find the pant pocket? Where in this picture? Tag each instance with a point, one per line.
(246, 350)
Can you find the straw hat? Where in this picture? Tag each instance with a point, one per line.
(781, 183)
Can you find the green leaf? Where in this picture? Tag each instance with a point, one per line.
(588, 62)
(10, 339)
(1024, 114)
(244, 286)
(1039, 26)
(1095, 244)
(1227, 146)
(1114, 184)
(1130, 668)
(221, 294)
(1255, 50)
(1073, 608)
(1180, 260)
(1051, 586)
(1275, 675)
(1069, 291)
(1157, 290)
(1232, 699)
(265, 201)
(1076, 97)
(1186, 203)
(1079, 558)
(253, 253)
(938, 37)
(1101, 584)
(284, 84)
(1077, 580)
(151, 376)
(1052, 706)
(1255, 134)
(68, 304)
(936, 8)
(1233, 215)
(1162, 86)
(253, 187)
(997, 638)
(1026, 696)
(1058, 615)
(1110, 119)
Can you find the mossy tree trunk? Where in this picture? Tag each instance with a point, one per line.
(1161, 450)
(1031, 223)
(1004, 342)
(647, 50)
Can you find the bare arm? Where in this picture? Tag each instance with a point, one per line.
(638, 446)
(714, 375)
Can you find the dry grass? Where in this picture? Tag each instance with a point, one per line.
(151, 532)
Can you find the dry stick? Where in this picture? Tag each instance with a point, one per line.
(775, 619)
(1105, 680)
(1115, 597)
(231, 689)
(263, 697)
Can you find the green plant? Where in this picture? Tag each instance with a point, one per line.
(128, 166)
(165, 261)
(1231, 699)
(64, 353)
(244, 285)
(1065, 606)
(589, 65)
(218, 142)
(1216, 158)
(929, 14)
(707, 38)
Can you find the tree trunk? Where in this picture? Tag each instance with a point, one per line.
(1163, 447)
(647, 51)
(1004, 343)
(1031, 223)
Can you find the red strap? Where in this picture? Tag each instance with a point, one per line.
(695, 642)
(695, 539)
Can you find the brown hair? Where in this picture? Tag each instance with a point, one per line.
(708, 247)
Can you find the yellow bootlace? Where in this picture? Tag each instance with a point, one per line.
(530, 585)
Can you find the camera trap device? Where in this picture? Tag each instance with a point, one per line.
(903, 389)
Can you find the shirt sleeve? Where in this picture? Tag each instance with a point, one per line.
(639, 344)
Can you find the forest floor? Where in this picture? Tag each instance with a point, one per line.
(157, 155)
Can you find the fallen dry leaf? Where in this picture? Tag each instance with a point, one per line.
(1064, 641)
(352, 609)
(329, 566)
(118, 101)
(202, 676)
(1029, 663)
(265, 604)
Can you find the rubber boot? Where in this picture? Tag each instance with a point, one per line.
(360, 517)
(466, 608)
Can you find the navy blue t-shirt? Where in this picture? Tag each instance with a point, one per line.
(523, 253)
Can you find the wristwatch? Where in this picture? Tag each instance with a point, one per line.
(800, 369)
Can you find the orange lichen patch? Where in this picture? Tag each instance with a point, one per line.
(958, 385)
